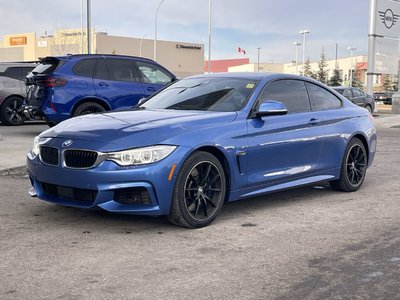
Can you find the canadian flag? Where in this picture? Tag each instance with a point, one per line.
(240, 50)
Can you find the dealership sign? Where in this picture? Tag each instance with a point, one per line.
(387, 18)
(18, 40)
(386, 56)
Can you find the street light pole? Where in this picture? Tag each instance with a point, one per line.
(209, 36)
(258, 59)
(155, 31)
(351, 49)
(304, 32)
(141, 41)
(82, 9)
(297, 44)
(88, 24)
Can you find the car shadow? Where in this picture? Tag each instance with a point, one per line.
(91, 221)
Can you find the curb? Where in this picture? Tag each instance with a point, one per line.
(14, 171)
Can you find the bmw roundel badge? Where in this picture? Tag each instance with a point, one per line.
(67, 143)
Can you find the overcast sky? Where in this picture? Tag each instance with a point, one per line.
(272, 25)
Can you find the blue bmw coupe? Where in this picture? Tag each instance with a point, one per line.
(202, 141)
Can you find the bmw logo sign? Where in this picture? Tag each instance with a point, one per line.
(67, 143)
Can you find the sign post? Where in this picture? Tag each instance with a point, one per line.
(383, 39)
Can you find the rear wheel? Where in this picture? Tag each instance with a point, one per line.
(354, 167)
(199, 191)
(88, 108)
(11, 112)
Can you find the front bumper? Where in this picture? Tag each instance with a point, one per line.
(58, 184)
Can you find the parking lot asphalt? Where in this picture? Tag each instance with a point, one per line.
(306, 243)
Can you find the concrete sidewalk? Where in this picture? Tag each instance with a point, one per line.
(15, 142)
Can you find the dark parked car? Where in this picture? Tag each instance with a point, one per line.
(385, 97)
(202, 141)
(63, 87)
(357, 96)
(13, 91)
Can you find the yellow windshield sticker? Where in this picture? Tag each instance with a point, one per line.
(249, 85)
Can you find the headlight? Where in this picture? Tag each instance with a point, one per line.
(141, 156)
(35, 148)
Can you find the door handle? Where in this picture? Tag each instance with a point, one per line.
(151, 89)
(102, 83)
(313, 121)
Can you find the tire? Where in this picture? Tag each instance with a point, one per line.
(11, 113)
(369, 108)
(199, 191)
(88, 108)
(354, 167)
(50, 124)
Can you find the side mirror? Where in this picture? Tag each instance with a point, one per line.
(271, 108)
(141, 101)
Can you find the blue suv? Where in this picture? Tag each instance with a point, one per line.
(67, 86)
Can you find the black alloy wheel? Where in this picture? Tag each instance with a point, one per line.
(11, 112)
(354, 167)
(199, 191)
(88, 108)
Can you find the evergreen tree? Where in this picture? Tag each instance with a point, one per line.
(356, 81)
(387, 84)
(307, 70)
(335, 80)
(322, 74)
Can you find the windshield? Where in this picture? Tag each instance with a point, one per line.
(211, 94)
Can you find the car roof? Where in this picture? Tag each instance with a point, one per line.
(253, 76)
(80, 56)
(5, 66)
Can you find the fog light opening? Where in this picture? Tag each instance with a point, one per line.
(132, 196)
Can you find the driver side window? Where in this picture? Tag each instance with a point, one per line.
(292, 93)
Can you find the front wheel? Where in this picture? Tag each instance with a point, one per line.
(88, 108)
(199, 191)
(354, 167)
(11, 113)
(369, 108)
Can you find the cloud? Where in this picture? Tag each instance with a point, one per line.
(269, 24)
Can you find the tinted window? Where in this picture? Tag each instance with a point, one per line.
(47, 66)
(356, 93)
(85, 67)
(153, 74)
(14, 73)
(26, 71)
(215, 94)
(121, 70)
(101, 69)
(322, 99)
(292, 93)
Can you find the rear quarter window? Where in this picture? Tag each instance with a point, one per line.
(85, 67)
(47, 66)
(322, 99)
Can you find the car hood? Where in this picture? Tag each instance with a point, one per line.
(136, 128)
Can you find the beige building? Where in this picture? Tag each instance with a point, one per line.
(181, 58)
